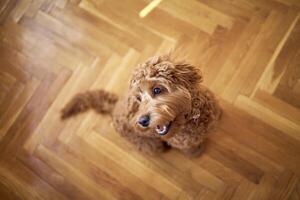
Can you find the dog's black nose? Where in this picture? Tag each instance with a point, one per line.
(144, 120)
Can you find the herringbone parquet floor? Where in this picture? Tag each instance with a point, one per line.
(249, 51)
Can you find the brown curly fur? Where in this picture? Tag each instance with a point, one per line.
(101, 101)
(190, 106)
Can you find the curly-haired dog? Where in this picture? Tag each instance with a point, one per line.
(166, 106)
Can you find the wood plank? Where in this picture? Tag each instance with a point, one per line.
(285, 185)
(71, 173)
(203, 16)
(282, 58)
(162, 183)
(111, 167)
(279, 122)
(18, 179)
(256, 60)
(100, 178)
(248, 52)
(278, 106)
(69, 189)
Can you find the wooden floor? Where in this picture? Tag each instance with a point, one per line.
(50, 50)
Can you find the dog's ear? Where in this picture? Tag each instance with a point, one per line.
(187, 74)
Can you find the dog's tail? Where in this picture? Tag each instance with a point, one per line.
(101, 101)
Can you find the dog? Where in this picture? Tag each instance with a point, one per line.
(166, 106)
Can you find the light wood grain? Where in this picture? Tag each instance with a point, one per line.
(50, 50)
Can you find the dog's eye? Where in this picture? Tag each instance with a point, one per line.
(156, 90)
(138, 98)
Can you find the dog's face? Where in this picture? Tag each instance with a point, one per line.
(160, 96)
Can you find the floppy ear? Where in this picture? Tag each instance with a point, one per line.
(188, 74)
(132, 106)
